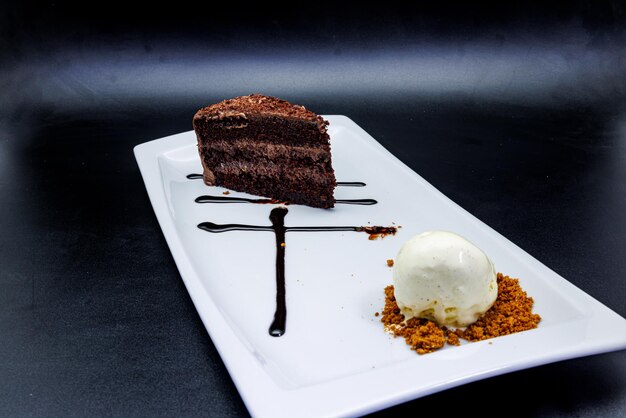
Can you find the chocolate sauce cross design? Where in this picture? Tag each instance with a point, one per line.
(277, 217)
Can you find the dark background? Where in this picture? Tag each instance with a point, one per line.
(516, 111)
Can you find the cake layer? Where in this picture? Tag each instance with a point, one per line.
(248, 149)
(304, 186)
(297, 176)
(262, 127)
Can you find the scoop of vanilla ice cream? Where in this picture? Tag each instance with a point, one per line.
(441, 276)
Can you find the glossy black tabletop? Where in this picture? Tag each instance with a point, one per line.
(517, 113)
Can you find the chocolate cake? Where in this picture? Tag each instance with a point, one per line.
(268, 147)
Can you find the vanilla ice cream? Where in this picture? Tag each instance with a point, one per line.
(441, 276)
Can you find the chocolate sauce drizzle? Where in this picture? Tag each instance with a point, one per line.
(229, 199)
(351, 183)
(277, 217)
(365, 202)
(196, 176)
(372, 231)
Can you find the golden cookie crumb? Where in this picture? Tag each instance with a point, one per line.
(511, 312)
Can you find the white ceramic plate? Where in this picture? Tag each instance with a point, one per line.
(335, 359)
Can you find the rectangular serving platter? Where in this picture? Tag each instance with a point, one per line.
(335, 358)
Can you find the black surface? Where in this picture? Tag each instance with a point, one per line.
(515, 112)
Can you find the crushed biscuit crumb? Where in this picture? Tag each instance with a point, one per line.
(511, 312)
(390, 263)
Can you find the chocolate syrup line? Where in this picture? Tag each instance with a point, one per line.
(277, 216)
(324, 228)
(230, 199)
(351, 183)
(365, 202)
(195, 176)
(217, 228)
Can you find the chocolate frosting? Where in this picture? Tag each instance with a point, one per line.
(240, 107)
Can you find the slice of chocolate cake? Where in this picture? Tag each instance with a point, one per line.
(268, 147)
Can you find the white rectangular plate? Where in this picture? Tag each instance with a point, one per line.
(335, 359)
